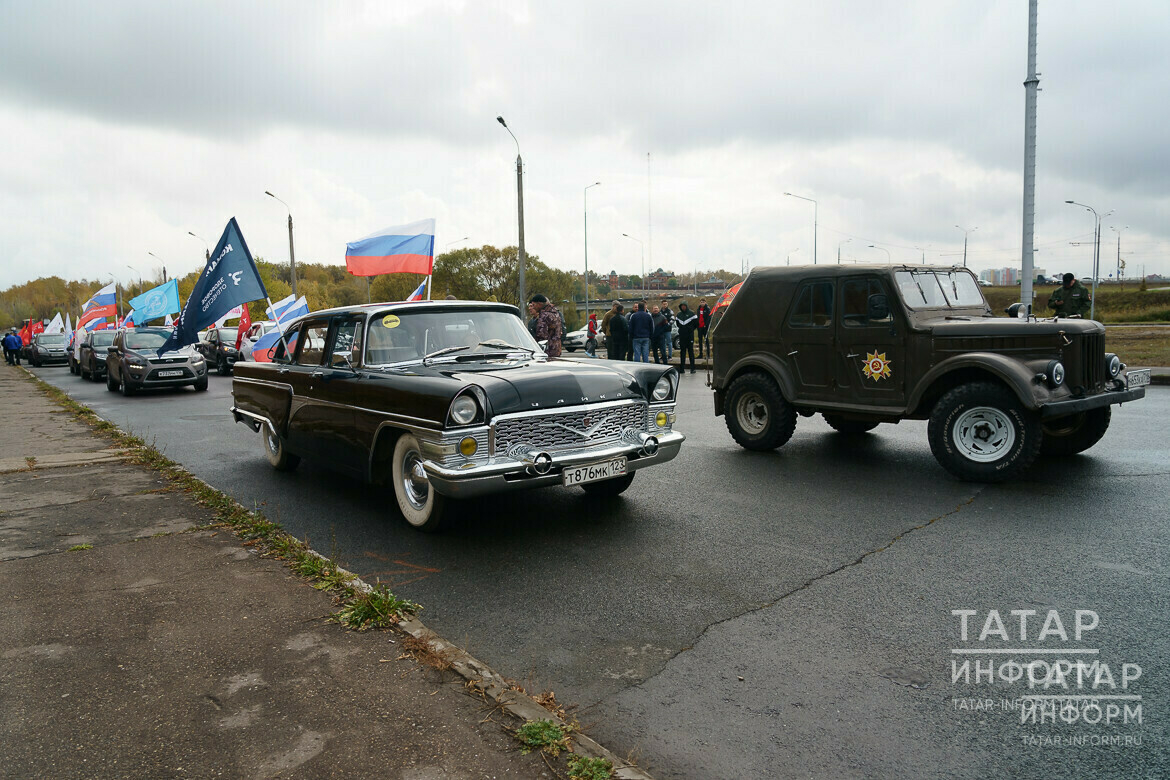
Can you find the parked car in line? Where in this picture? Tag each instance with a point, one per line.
(133, 362)
(449, 400)
(576, 339)
(253, 335)
(47, 349)
(865, 345)
(94, 347)
(218, 347)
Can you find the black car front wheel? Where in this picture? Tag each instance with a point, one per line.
(111, 383)
(758, 417)
(422, 507)
(221, 366)
(1075, 434)
(981, 433)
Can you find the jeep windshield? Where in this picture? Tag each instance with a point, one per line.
(405, 337)
(939, 289)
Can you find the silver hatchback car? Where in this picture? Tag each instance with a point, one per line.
(133, 362)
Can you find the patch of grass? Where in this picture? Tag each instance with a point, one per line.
(78, 547)
(543, 735)
(333, 578)
(379, 608)
(31, 461)
(1125, 303)
(1139, 346)
(581, 768)
(423, 652)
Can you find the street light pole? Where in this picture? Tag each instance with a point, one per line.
(135, 270)
(519, 207)
(839, 245)
(789, 194)
(788, 259)
(1118, 231)
(586, 212)
(643, 247)
(966, 232)
(1096, 255)
(456, 241)
(206, 248)
(888, 260)
(292, 255)
(164, 262)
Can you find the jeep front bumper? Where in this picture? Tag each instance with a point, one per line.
(1076, 405)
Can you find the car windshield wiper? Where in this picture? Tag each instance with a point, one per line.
(505, 345)
(444, 351)
(920, 290)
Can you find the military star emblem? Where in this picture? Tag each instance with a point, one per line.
(876, 366)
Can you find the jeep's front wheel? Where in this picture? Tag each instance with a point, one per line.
(981, 433)
(1076, 433)
(845, 425)
(758, 417)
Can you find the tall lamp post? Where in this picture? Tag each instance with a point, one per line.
(135, 270)
(456, 241)
(206, 248)
(888, 260)
(292, 257)
(1118, 231)
(164, 267)
(788, 259)
(810, 200)
(519, 207)
(586, 196)
(839, 245)
(1096, 254)
(643, 247)
(966, 232)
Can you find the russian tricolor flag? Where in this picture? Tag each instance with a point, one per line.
(102, 304)
(418, 293)
(404, 249)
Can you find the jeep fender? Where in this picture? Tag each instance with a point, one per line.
(1015, 375)
(758, 361)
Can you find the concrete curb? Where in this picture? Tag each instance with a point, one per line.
(469, 668)
(58, 461)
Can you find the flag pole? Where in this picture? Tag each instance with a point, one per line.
(279, 327)
(428, 287)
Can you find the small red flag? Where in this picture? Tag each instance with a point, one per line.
(245, 323)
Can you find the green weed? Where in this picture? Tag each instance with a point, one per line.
(77, 547)
(377, 609)
(581, 768)
(543, 735)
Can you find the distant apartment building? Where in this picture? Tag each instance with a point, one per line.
(1003, 277)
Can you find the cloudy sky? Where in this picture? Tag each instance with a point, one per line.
(127, 124)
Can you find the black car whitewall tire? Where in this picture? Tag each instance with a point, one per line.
(1075, 434)
(758, 417)
(981, 433)
(275, 450)
(422, 507)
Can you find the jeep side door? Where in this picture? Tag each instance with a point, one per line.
(807, 340)
(871, 336)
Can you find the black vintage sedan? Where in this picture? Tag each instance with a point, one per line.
(452, 400)
(218, 347)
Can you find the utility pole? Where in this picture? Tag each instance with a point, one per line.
(519, 209)
(292, 255)
(1031, 87)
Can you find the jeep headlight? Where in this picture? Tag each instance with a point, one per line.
(662, 389)
(1112, 365)
(1055, 373)
(463, 409)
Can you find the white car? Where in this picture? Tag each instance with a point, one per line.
(253, 335)
(576, 339)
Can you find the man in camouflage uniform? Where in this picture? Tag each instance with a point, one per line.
(548, 324)
(1070, 299)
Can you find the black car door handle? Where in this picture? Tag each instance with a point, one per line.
(283, 371)
(317, 374)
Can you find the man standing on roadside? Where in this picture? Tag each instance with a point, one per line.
(660, 336)
(687, 322)
(617, 339)
(669, 344)
(1071, 299)
(609, 315)
(12, 344)
(641, 329)
(703, 320)
(548, 324)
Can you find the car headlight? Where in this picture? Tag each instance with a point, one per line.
(135, 364)
(196, 359)
(1112, 365)
(1055, 373)
(464, 409)
(663, 388)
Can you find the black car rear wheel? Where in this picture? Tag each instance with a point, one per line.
(1075, 434)
(422, 507)
(275, 450)
(758, 417)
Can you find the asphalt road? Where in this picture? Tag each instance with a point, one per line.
(739, 614)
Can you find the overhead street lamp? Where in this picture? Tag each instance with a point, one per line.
(135, 270)
(292, 257)
(586, 197)
(839, 245)
(456, 241)
(788, 259)
(643, 247)
(164, 262)
(810, 200)
(519, 207)
(888, 260)
(966, 232)
(206, 248)
(1096, 253)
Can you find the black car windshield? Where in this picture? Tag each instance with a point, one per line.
(228, 334)
(55, 340)
(939, 289)
(408, 336)
(103, 339)
(146, 339)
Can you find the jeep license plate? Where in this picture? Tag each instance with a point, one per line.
(1139, 377)
(172, 372)
(594, 472)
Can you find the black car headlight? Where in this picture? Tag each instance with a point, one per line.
(1112, 365)
(662, 390)
(465, 409)
(1055, 373)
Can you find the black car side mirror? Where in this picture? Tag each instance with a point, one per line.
(877, 307)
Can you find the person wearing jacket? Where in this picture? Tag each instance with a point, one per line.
(660, 336)
(591, 333)
(617, 339)
(702, 322)
(688, 321)
(548, 325)
(12, 344)
(641, 331)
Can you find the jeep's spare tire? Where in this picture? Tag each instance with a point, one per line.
(1076, 433)
(981, 433)
(758, 417)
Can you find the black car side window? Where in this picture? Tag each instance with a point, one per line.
(311, 349)
(812, 307)
(347, 340)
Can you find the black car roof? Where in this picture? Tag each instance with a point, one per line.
(371, 308)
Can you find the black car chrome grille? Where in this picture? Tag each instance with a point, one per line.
(568, 430)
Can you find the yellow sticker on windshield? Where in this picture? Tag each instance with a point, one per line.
(390, 321)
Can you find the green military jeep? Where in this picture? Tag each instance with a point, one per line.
(865, 345)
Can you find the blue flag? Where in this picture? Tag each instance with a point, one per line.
(229, 279)
(157, 302)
